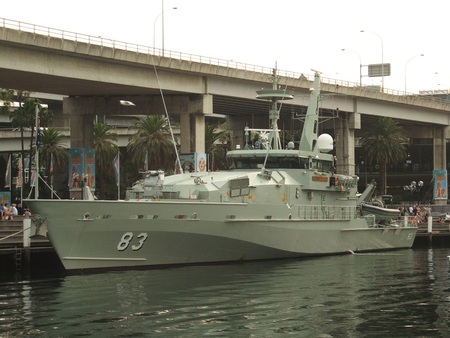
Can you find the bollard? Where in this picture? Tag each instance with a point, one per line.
(26, 264)
(405, 219)
(26, 231)
(430, 229)
(430, 224)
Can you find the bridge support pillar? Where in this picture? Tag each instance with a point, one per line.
(192, 123)
(345, 142)
(440, 155)
(192, 110)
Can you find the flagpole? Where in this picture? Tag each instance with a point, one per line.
(21, 178)
(36, 156)
(118, 175)
(51, 173)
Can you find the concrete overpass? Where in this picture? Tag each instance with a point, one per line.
(94, 73)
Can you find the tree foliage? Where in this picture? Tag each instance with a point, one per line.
(105, 145)
(216, 138)
(153, 139)
(384, 143)
(53, 153)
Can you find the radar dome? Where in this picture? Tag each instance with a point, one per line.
(325, 143)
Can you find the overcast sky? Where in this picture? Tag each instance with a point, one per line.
(298, 35)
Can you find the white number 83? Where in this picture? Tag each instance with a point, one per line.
(127, 238)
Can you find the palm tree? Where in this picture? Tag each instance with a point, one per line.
(24, 117)
(105, 149)
(52, 152)
(6, 96)
(152, 139)
(384, 143)
(215, 137)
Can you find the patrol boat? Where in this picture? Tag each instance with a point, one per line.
(273, 203)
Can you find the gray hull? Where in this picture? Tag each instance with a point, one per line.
(111, 234)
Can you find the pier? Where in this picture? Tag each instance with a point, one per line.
(24, 257)
(438, 232)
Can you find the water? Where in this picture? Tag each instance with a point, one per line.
(397, 294)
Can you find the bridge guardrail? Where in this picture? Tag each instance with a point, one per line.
(131, 47)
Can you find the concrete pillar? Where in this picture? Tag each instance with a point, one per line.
(236, 125)
(440, 155)
(199, 125)
(185, 133)
(345, 142)
(192, 123)
(439, 148)
(82, 112)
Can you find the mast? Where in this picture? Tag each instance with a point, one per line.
(308, 140)
(274, 95)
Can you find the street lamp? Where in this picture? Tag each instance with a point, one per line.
(382, 57)
(360, 63)
(406, 66)
(414, 187)
(418, 188)
(162, 25)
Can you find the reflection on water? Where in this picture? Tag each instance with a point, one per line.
(401, 293)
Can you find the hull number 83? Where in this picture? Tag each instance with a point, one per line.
(127, 239)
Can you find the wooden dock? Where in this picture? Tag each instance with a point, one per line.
(15, 258)
(439, 234)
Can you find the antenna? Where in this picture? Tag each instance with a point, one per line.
(168, 121)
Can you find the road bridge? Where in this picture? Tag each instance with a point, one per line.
(94, 74)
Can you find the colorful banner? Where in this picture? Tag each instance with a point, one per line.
(187, 162)
(81, 167)
(201, 164)
(197, 162)
(89, 163)
(5, 197)
(19, 173)
(116, 166)
(440, 184)
(8, 173)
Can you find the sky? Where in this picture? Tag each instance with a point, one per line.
(295, 35)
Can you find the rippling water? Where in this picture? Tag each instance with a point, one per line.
(397, 294)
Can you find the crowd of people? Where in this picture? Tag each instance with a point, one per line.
(418, 214)
(7, 212)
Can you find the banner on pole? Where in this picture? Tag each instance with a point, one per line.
(81, 167)
(8, 173)
(116, 166)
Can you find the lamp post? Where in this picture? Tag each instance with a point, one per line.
(382, 57)
(406, 65)
(414, 187)
(162, 26)
(360, 63)
(418, 188)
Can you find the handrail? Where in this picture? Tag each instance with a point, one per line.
(131, 47)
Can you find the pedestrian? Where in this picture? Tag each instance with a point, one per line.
(13, 210)
(5, 211)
